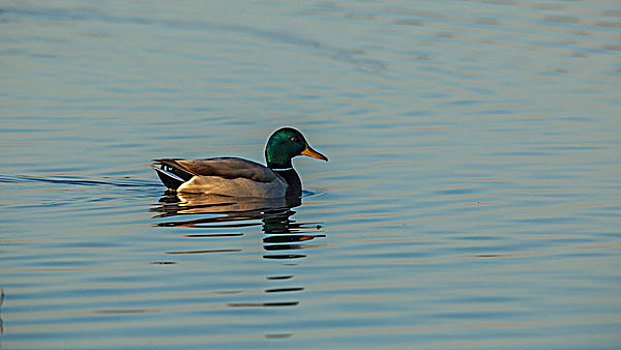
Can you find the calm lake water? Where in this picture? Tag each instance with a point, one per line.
(472, 199)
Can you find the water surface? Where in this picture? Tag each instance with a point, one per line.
(471, 200)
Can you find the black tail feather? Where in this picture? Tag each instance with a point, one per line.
(171, 175)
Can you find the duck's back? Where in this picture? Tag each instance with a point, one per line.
(225, 176)
(229, 168)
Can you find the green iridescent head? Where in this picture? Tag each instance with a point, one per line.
(286, 143)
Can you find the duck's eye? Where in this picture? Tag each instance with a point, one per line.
(294, 139)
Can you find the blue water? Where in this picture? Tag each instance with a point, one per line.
(471, 200)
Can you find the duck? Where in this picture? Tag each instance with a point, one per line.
(238, 177)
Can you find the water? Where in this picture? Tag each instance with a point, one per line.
(471, 200)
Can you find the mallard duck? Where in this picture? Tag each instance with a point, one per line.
(237, 177)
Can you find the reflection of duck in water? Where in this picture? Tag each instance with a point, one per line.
(217, 212)
(220, 218)
(236, 177)
(192, 203)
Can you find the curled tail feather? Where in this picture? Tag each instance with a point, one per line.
(171, 173)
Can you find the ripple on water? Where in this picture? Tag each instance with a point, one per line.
(471, 198)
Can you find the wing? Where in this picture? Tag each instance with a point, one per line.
(225, 167)
(233, 177)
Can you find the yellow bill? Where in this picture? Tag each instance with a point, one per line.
(308, 151)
